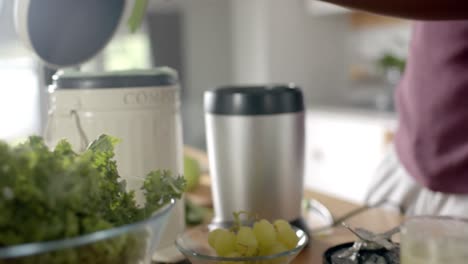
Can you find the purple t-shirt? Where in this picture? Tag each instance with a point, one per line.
(432, 100)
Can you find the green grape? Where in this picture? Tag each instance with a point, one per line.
(265, 233)
(277, 248)
(288, 237)
(286, 234)
(264, 251)
(246, 242)
(212, 237)
(281, 224)
(263, 239)
(225, 242)
(233, 255)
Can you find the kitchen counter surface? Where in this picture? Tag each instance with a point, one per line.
(376, 220)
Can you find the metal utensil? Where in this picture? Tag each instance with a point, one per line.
(334, 222)
(368, 240)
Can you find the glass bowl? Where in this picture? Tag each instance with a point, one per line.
(193, 243)
(129, 244)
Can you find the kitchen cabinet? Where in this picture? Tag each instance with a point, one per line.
(344, 148)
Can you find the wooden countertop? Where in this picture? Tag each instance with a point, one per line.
(376, 220)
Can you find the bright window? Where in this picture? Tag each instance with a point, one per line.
(19, 99)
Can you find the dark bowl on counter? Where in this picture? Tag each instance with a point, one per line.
(389, 256)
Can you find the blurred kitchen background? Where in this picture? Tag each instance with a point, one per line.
(347, 63)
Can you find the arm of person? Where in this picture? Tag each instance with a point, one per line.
(411, 9)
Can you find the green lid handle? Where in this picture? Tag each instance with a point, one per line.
(138, 12)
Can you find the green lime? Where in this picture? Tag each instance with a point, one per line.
(192, 173)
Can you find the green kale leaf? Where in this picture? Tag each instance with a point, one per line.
(55, 194)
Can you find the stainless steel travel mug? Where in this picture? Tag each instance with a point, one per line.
(255, 140)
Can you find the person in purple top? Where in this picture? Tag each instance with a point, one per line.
(427, 170)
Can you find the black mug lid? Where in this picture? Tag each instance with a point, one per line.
(254, 100)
